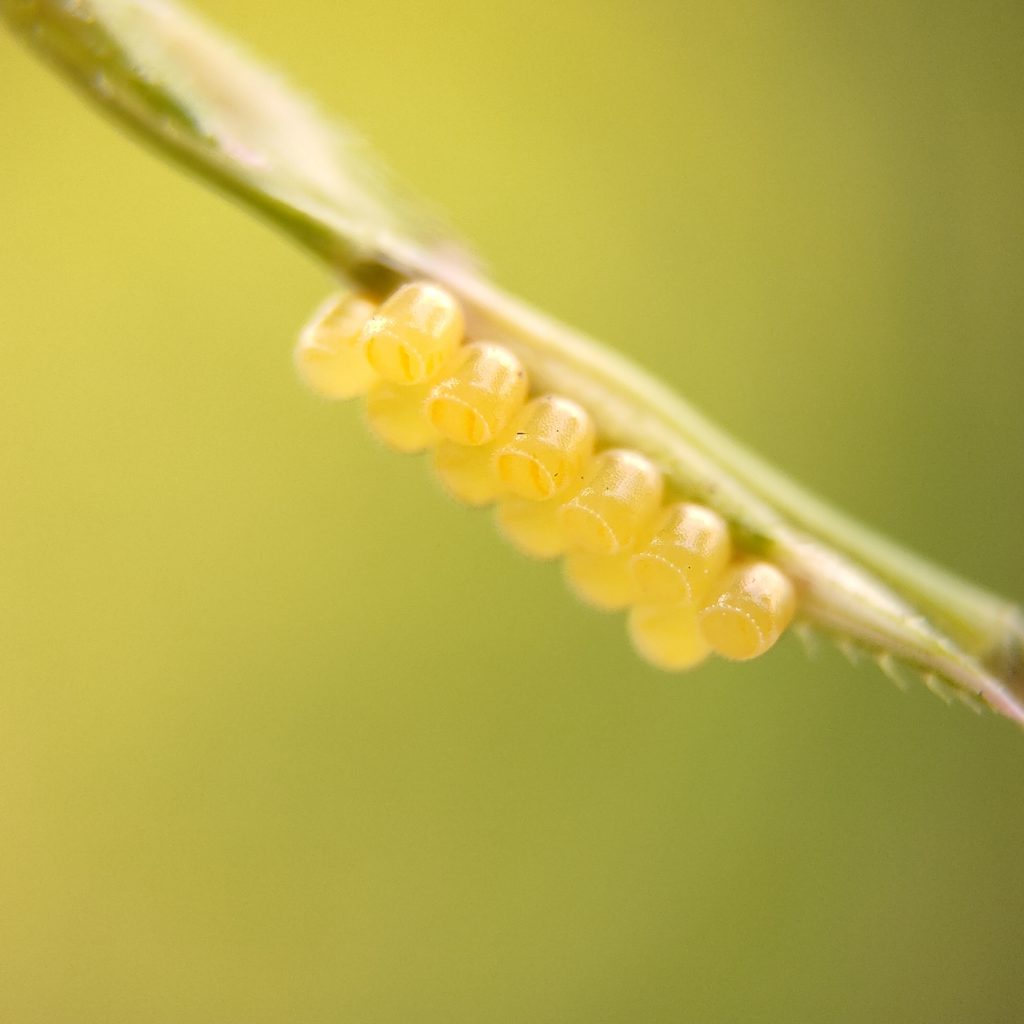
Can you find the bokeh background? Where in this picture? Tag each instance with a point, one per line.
(287, 736)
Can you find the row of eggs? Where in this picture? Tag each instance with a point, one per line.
(672, 565)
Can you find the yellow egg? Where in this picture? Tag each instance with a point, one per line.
(533, 527)
(396, 415)
(604, 581)
(468, 473)
(667, 635)
(687, 553)
(414, 333)
(328, 356)
(753, 603)
(621, 492)
(479, 393)
(552, 437)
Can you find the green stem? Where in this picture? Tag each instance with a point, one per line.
(169, 78)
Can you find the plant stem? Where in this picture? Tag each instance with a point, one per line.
(193, 95)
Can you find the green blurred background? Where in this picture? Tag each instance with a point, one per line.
(285, 736)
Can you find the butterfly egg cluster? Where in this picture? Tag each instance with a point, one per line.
(670, 565)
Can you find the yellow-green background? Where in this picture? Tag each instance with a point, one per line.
(287, 737)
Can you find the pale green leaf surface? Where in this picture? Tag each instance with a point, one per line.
(170, 78)
(167, 75)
